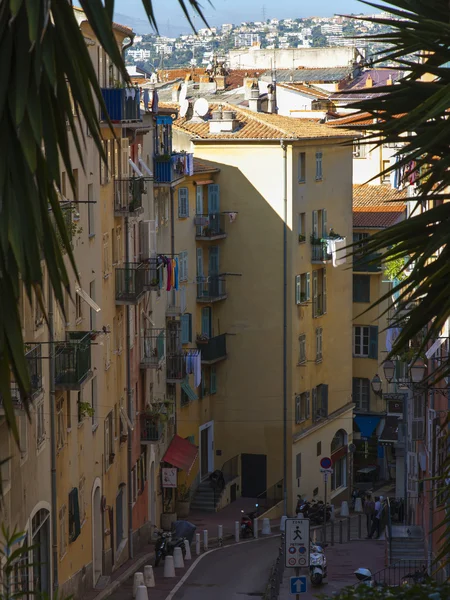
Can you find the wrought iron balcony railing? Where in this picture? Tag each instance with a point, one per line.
(168, 168)
(151, 428)
(210, 226)
(214, 349)
(130, 283)
(211, 289)
(153, 348)
(73, 361)
(128, 195)
(122, 104)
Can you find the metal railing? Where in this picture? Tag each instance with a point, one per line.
(168, 169)
(151, 429)
(214, 349)
(369, 263)
(175, 367)
(209, 226)
(319, 251)
(130, 283)
(128, 195)
(318, 307)
(34, 362)
(395, 575)
(210, 289)
(122, 104)
(230, 468)
(73, 360)
(276, 574)
(153, 343)
(151, 278)
(271, 496)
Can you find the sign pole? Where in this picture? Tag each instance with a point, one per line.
(325, 478)
(297, 574)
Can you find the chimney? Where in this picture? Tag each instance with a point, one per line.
(254, 103)
(176, 92)
(248, 83)
(204, 78)
(369, 81)
(271, 98)
(389, 80)
(220, 82)
(223, 121)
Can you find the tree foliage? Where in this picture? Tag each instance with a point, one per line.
(430, 591)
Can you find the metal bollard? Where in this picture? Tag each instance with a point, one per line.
(236, 531)
(348, 529)
(255, 528)
(205, 540)
(187, 550)
(220, 534)
(197, 544)
(332, 533)
(359, 526)
(340, 532)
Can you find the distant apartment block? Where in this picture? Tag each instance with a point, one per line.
(246, 39)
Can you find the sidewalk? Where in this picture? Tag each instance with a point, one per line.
(342, 560)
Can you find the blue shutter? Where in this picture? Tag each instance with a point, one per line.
(183, 202)
(297, 289)
(324, 223)
(213, 380)
(206, 321)
(199, 200)
(324, 390)
(373, 342)
(308, 286)
(213, 199)
(213, 260)
(185, 328)
(199, 262)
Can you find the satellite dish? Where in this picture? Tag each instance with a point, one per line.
(183, 93)
(201, 107)
(184, 107)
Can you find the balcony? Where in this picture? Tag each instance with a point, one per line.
(211, 289)
(152, 429)
(176, 303)
(176, 367)
(16, 400)
(213, 350)
(369, 263)
(128, 196)
(319, 251)
(153, 348)
(169, 168)
(122, 104)
(210, 227)
(130, 283)
(34, 361)
(73, 361)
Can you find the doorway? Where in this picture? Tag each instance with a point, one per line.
(254, 475)
(206, 449)
(97, 533)
(41, 552)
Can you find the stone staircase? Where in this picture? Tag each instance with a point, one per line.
(204, 498)
(407, 544)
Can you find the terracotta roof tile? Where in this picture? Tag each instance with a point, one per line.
(304, 89)
(377, 205)
(357, 118)
(262, 126)
(201, 166)
(234, 79)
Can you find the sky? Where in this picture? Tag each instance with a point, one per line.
(169, 15)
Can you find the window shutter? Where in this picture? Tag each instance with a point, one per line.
(199, 262)
(106, 444)
(183, 202)
(315, 225)
(307, 405)
(213, 380)
(298, 465)
(297, 409)
(356, 391)
(373, 342)
(185, 328)
(190, 327)
(324, 291)
(206, 321)
(356, 289)
(213, 199)
(308, 286)
(185, 265)
(314, 293)
(324, 223)
(199, 200)
(74, 515)
(213, 261)
(297, 289)
(324, 390)
(314, 404)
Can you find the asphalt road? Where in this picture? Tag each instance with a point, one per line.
(233, 573)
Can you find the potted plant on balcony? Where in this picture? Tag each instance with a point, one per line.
(183, 503)
(301, 237)
(202, 338)
(168, 516)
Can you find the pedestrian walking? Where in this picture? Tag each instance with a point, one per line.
(369, 511)
(376, 523)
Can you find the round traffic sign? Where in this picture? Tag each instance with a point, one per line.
(292, 550)
(302, 561)
(325, 462)
(302, 549)
(292, 561)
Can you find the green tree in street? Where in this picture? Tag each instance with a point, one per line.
(430, 591)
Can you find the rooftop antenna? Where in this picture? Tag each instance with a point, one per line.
(264, 13)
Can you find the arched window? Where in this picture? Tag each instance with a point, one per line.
(339, 440)
(339, 457)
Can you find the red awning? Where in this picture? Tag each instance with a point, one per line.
(181, 454)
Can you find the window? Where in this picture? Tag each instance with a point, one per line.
(302, 407)
(319, 344)
(418, 418)
(320, 402)
(60, 424)
(74, 515)
(116, 235)
(365, 341)
(94, 402)
(134, 481)
(213, 380)
(183, 203)
(319, 286)
(23, 436)
(40, 423)
(206, 321)
(5, 449)
(302, 227)
(62, 531)
(386, 177)
(319, 448)
(302, 349)
(359, 149)
(91, 207)
(361, 288)
(302, 167)
(131, 325)
(76, 187)
(92, 312)
(186, 328)
(79, 408)
(319, 172)
(107, 346)
(82, 499)
(361, 393)
(319, 224)
(298, 465)
(118, 334)
(302, 288)
(339, 475)
(183, 264)
(199, 200)
(78, 308)
(38, 312)
(109, 442)
(106, 261)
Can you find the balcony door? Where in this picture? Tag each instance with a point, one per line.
(213, 265)
(206, 321)
(206, 449)
(213, 199)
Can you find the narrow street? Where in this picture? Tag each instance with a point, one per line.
(236, 572)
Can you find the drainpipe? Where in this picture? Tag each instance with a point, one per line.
(430, 500)
(285, 501)
(129, 408)
(51, 335)
(172, 250)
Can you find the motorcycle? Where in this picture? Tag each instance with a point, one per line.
(317, 513)
(317, 565)
(247, 522)
(419, 577)
(365, 576)
(165, 545)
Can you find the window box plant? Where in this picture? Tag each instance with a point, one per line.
(202, 338)
(301, 237)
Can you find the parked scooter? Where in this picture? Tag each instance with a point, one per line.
(419, 577)
(365, 576)
(247, 522)
(317, 565)
(165, 545)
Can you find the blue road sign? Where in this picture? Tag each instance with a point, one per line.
(298, 585)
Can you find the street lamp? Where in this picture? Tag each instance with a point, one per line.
(377, 385)
(417, 370)
(389, 370)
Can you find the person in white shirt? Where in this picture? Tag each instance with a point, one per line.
(377, 517)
